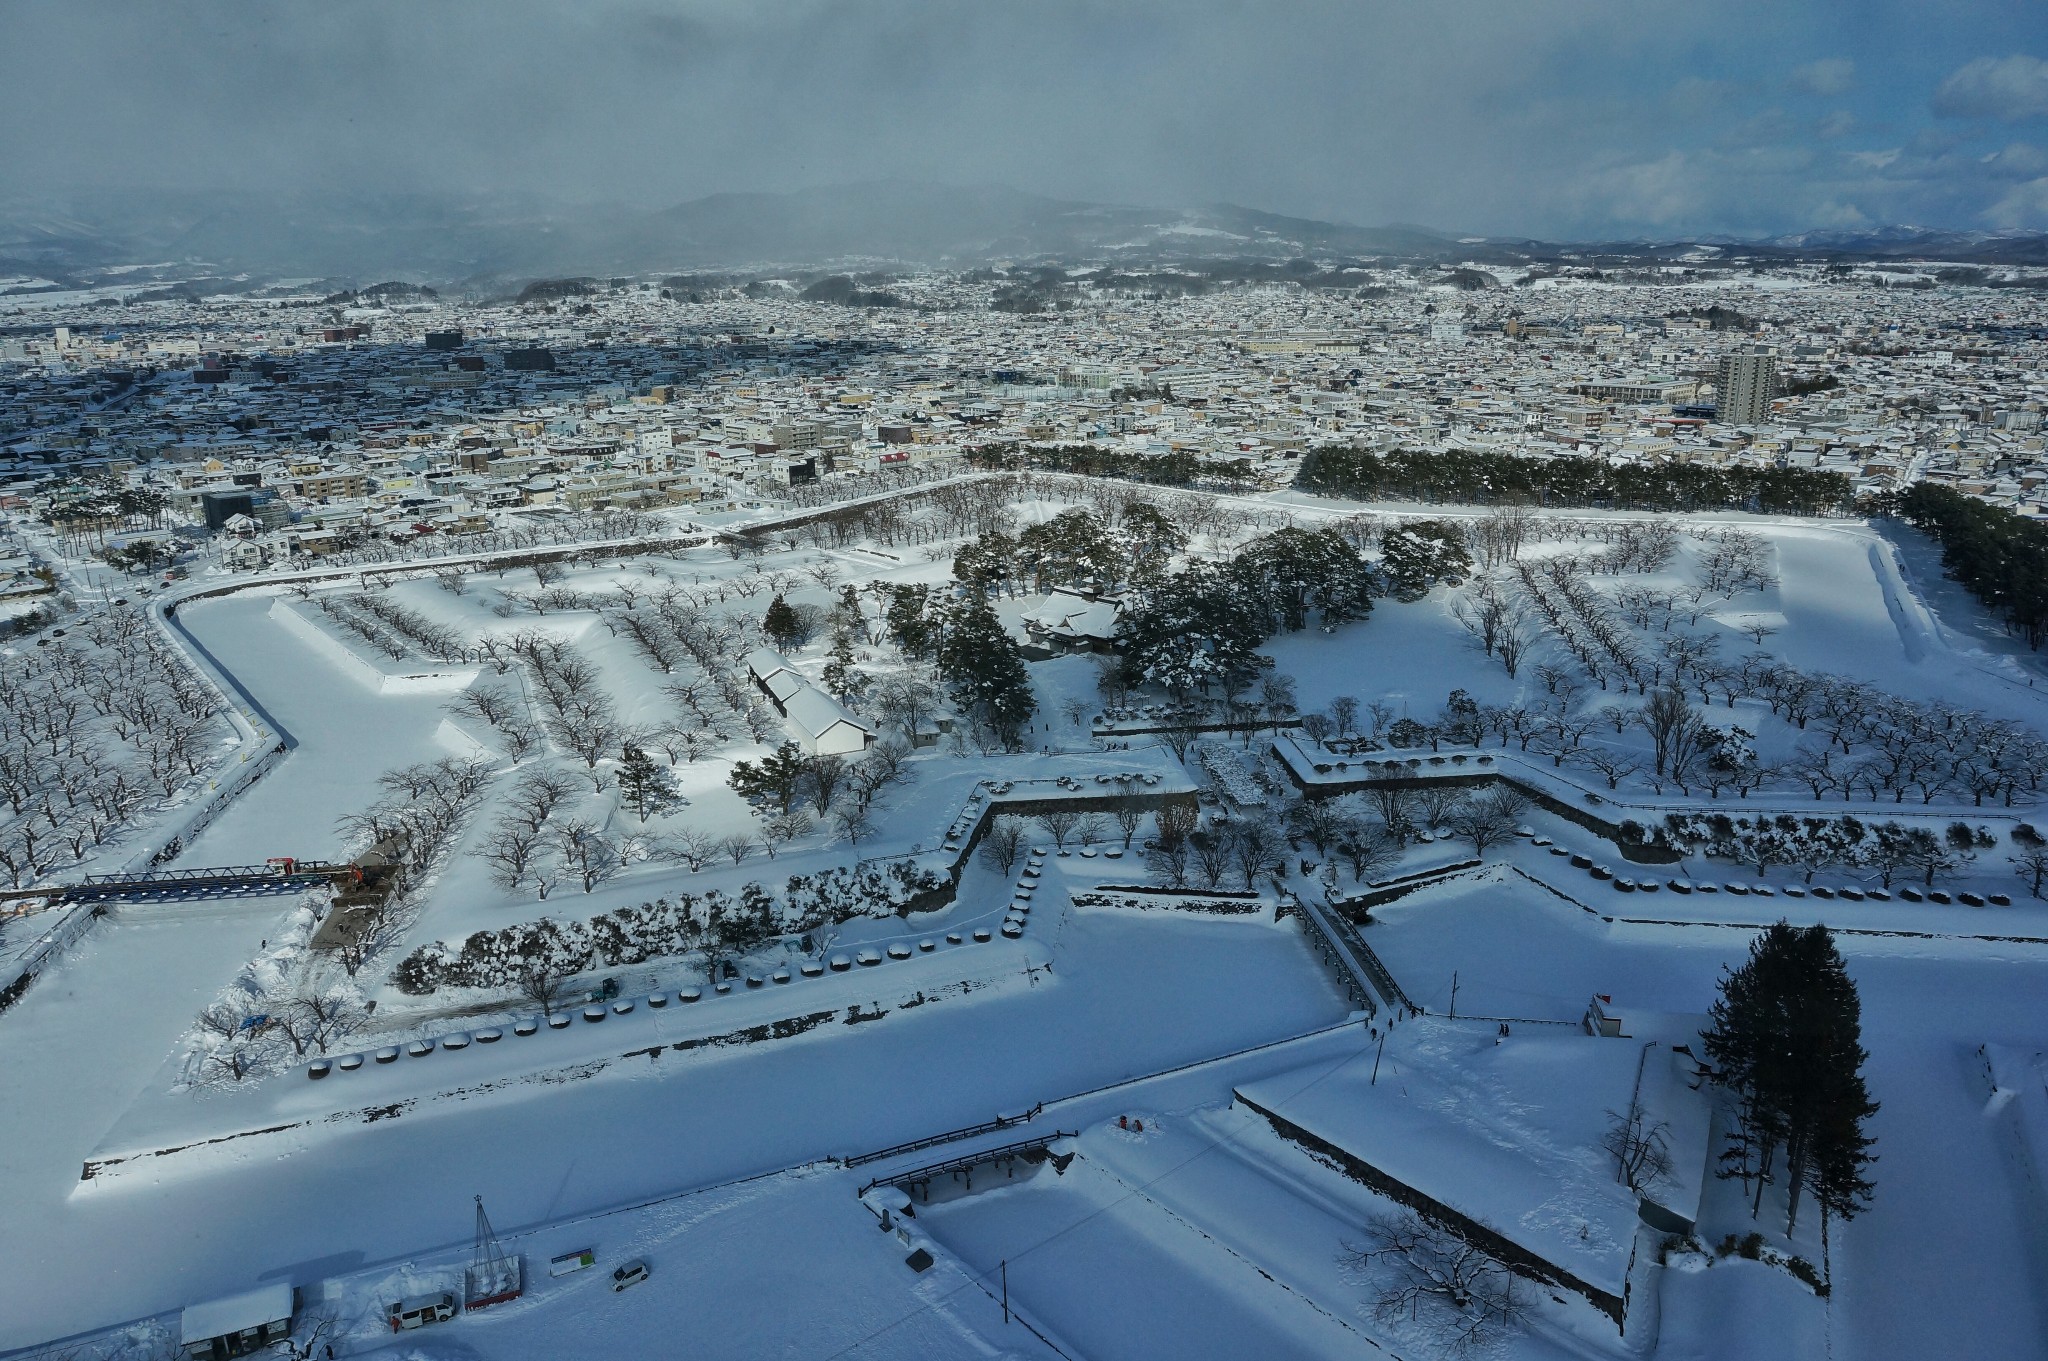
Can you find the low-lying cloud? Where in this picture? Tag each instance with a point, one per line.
(1604, 117)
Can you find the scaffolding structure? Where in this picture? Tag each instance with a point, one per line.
(494, 1276)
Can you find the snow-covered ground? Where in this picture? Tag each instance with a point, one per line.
(1127, 995)
(1207, 1234)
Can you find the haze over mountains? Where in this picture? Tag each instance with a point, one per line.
(346, 235)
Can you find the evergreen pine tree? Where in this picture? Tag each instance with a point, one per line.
(643, 783)
(1739, 1045)
(986, 670)
(781, 624)
(909, 621)
(778, 776)
(1786, 1041)
(1829, 1150)
(841, 678)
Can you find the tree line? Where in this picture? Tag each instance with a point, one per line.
(1998, 555)
(1477, 477)
(1175, 468)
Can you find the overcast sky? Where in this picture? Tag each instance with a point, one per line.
(1492, 116)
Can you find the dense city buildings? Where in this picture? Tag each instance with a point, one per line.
(317, 422)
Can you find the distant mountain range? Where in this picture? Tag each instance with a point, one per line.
(87, 238)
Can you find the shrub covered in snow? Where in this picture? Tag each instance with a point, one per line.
(714, 922)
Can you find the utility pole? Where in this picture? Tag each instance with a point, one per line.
(1004, 1266)
(1454, 994)
(1376, 1062)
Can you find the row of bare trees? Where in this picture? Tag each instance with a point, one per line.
(95, 730)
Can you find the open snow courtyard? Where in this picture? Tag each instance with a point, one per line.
(926, 928)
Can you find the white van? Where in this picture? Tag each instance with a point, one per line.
(421, 1310)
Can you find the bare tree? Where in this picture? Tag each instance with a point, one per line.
(1471, 1295)
(1512, 643)
(1677, 732)
(313, 1336)
(824, 776)
(737, 847)
(782, 828)
(492, 704)
(889, 758)
(1002, 844)
(313, 1021)
(1614, 766)
(1396, 807)
(1380, 715)
(541, 982)
(1129, 814)
(1169, 861)
(372, 930)
(534, 799)
(1433, 804)
(508, 849)
(1211, 854)
(1175, 820)
(594, 855)
(689, 846)
(519, 739)
(1321, 822)
(1179, 733)
(1091, 829)
(2031, 864)
(908, 702)
(1059, 824)
(1369, 848)
(1641, 1148)
(240, 1039)
(1489, 819)
(853, 821)
(1256, 845)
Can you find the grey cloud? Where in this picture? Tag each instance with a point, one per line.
(2008, 88)
(1828, 76)
(1495, 116)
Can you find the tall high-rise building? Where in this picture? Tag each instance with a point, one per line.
(1744, 387)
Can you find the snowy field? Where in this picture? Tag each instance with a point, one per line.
(1207, 1234)
(1949, 1173)
(1126, 997)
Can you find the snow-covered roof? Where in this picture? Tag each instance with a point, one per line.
(764, 662)
(235, 1313)
(1073, 615)
(817, 713)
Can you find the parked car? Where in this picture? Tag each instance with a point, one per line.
(632, 1273)
(421, 1310)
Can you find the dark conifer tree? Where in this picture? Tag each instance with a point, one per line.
(643, 783)
(985, 669)
(842, 676)
(781, 624)
(1786, 1041)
